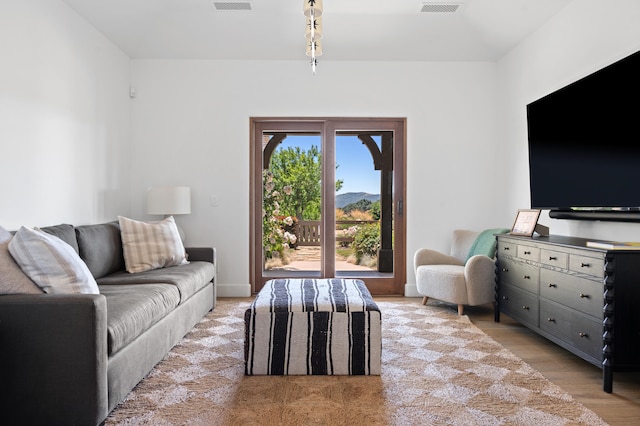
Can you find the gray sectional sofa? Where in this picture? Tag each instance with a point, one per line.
(69, 359)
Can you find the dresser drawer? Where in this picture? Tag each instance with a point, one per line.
(587, 265)
(507, 249)
(528, 253)
(578, 293)
(577, 330)
(519, 305)
(554, 258)
(519, 274)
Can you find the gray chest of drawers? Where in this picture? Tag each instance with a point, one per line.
(584, 299)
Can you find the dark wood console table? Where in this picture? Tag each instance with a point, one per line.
(586, 300)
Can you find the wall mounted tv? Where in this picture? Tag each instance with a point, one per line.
(584, 146)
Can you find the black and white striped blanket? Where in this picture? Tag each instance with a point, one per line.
(313, 326)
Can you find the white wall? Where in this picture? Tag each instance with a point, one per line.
(191, 127)
(64, 118)
(584, 37)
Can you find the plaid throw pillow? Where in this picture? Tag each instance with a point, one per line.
(151, 245)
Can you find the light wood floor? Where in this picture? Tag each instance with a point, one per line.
(577, 377)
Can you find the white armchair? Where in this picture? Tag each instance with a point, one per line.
(466, 276)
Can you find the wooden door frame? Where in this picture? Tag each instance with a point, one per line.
(328, 126)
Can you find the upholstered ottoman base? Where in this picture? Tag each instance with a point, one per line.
(313, 327)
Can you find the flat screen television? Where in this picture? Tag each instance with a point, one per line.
(584, 146)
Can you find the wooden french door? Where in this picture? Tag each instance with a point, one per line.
(380, 142)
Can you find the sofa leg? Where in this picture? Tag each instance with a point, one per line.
(424, 300)
(460, 309)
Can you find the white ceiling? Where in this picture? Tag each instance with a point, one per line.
(355, 30)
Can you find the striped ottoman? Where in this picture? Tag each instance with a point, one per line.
(313, 327)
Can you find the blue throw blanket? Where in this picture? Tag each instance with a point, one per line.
(485, 243)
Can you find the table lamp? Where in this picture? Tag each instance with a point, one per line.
(169, 201)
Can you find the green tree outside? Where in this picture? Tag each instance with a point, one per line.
(302, 171)
(375, 210)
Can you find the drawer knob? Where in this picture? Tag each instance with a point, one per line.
(551, 319)
(585, 265)
(527, 252)
(506, 249)
(581, 334)
(584, 296)
(526, 277)
(505, 297)
(505, 269)
(525, 307)
(553, 258)
(551, 285)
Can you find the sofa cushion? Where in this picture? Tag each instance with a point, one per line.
(132, 309)
(100, 247)
(12, 279)
(63, 231)
(188, 279)
(151, 245)
(51, 263)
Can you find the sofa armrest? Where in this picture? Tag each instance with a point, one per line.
(53, 361)
(201, 254)
(433, 257)
(480, 275)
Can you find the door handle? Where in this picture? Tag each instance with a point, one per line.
(400, 207)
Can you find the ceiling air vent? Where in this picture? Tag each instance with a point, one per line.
(439, 7)
(232, 5)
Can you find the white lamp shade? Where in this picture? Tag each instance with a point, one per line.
(317, 7)
(169, 200)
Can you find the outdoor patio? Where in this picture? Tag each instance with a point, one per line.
(307, 258)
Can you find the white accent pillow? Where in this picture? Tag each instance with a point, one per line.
(12, 279)
(51, 263)
(151, 245)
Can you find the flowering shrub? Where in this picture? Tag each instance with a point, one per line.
(350, 233)
(277, 230)
(366, 241)
(290, 226)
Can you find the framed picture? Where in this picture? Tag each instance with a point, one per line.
(525, 223)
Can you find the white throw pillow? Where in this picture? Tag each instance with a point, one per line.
(51, 263)
(12, 279)
(151, 245)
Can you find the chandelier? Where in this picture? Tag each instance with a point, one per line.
(313, 11)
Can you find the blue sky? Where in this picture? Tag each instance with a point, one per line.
(355, 165)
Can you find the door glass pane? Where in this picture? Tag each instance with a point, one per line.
(359, 160)
(364, 202)
(292, 191)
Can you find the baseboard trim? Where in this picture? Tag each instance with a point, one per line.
(411, 290)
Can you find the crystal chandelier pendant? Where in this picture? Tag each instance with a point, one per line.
(313, 11)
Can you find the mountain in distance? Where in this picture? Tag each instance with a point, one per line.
(353, 197)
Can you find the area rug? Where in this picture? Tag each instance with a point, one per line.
(437, 369)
